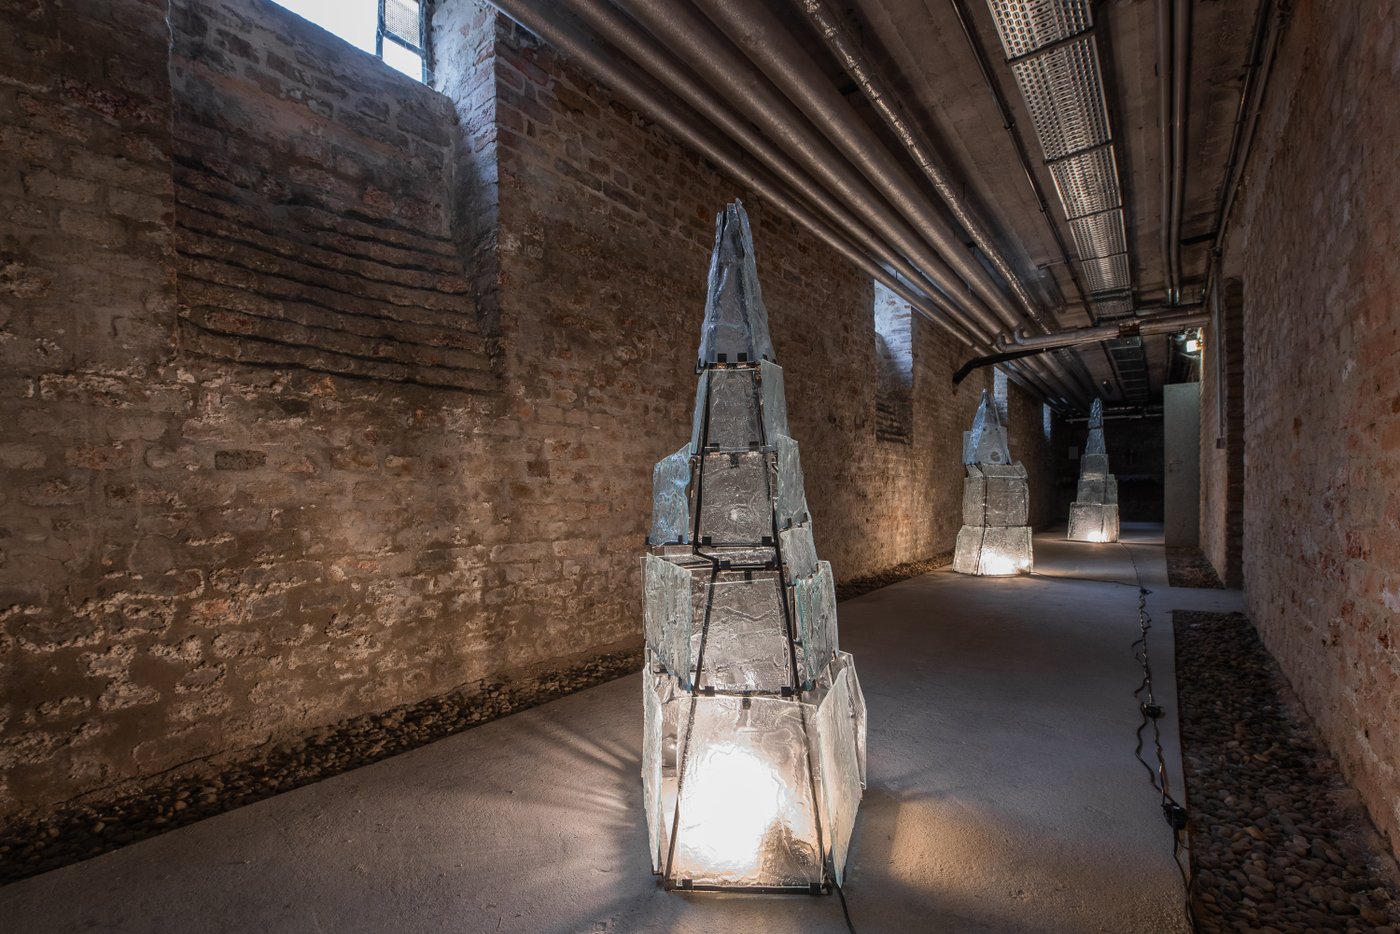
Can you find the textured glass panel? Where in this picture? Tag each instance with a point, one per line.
(652, 684)
(815, 597)
(735, 507)
(746, 810)
(1095, 443)
(670, 501)
(1005, 551)
(1007, 501)
(967, 557)
(974, 497)
(735, 328)
(734, 419)
(1091, 490)
(666, 589)
(775, 418)
(986, 442)
(799, 551)
(1110, 494)
(697, 420)
(1093, 465)
(402, 18)
(844, 661)
(792, 498)
(1093, 522)
(746, 644)
(838, 764)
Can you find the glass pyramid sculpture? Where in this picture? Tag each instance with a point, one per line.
(753, 759)
(995, 539)
(1093, 516)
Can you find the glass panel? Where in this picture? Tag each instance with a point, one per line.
(986, 442)
(967, 557)
(838, 764)
(735, 508)
(736, 323)
(746, 645)
(746, 810)
(404, 61)
(775, 417)
(401, 17)
(845, 662)
(1095, 442)
(1007, 501)
(792, 499)
(974, 497)
(670, 502)
(1091, 491)
(652, 684)
(666, 590)
(734, 419)
(697, 420)
(799, 551)
(1111, 490)
(1093, 465)
(816, 619)
(1005, 551)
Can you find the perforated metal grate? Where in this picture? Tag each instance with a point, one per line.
(1099, 234)
(1064, 94)
(1106, 273)
(404, 20)
(1112, 309)
(1087, 183)
(1026, 25)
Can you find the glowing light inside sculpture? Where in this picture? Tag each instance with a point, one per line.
(753, 757)
(995, 540)
(1093, 516)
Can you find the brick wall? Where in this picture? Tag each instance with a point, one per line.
(334, 393)
(1222, 435)
(1315, 239)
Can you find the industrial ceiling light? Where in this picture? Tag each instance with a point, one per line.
(1093, 516)
(753, 756)
(995, 540)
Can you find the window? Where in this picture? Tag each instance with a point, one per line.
(1047, 420)
(894, 357)
(393, 30)
(999, 394)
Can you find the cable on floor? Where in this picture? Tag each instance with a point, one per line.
(1175, 814)
(844, 910)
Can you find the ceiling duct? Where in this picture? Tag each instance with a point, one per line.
(1051, 49)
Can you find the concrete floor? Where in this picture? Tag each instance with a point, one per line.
(1003, 796)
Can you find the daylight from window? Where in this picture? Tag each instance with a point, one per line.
(357, 21)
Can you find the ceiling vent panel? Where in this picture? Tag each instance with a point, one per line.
(1087, 183)
(1064, 94)
(1100, 234)
(1026, 25)
(1107, 273)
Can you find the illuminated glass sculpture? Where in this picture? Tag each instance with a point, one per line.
(1093, 516)
(995, 539)
(753, 759)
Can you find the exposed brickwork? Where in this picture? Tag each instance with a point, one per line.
(1316, 238)
(333, 394)
(1222, 437)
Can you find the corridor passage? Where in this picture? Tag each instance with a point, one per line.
(1003, 795)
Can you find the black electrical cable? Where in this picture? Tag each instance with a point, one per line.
(1176, 815)
(844, 910)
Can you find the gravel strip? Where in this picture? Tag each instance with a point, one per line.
(863, 585)
(1188, 567)
(1279, 842)
(35, 843)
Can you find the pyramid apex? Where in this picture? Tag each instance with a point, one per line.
(735, 329)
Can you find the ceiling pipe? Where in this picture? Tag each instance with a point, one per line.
(1166, 149)
(697, 43)
(766, 42)
(620, 31)
(1181, 73)
(1156, 324)
(547, 26)
(829, 26)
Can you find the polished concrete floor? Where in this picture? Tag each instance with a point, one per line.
(1003, 796)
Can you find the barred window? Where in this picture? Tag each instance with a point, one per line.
(393, 30)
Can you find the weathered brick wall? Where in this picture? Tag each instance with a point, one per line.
(1038, 452)
(1316, 238)
(332, 394)
(1222, 436)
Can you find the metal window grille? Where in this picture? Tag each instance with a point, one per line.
(403, 23)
